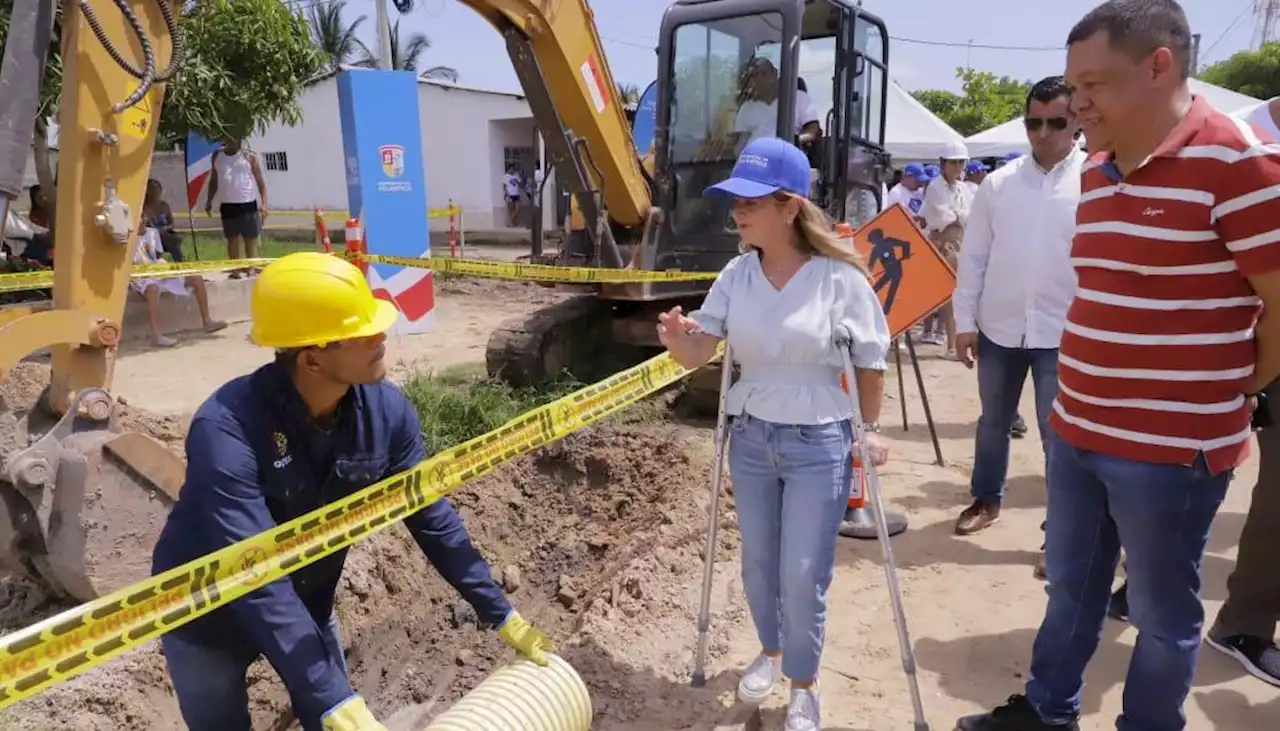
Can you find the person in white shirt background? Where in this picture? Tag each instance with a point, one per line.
(1014, 285)
(511, 185)
(945, 213)
(910, 191)
(757, 114)
(974, 173)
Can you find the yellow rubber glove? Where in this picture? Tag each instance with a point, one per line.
(351, 715)
(525, 638)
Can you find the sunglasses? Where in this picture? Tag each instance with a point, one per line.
(1057, 124)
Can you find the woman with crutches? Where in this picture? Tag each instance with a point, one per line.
(781, 305)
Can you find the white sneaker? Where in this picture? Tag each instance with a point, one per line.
(757, 682)
(803, 713)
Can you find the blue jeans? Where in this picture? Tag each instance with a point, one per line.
(1001, 373)
(213, 694)
(1160, 515)
(791, 486)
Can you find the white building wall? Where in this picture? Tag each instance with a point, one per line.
(462, 150)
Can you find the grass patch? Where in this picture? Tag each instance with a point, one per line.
(457, 404)
(211, 246)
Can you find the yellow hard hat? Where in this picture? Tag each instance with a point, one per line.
(309, 298)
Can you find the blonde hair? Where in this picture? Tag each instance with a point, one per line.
(816, 235)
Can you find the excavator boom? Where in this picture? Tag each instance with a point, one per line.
(80, 502)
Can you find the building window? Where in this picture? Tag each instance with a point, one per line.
(278, 161)
(520, 157)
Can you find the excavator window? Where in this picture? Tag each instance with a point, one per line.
(724, 94)
(813, 71)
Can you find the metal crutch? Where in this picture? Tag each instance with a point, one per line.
(843, 344)
(713, 523)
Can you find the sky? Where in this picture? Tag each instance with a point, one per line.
(929, 38)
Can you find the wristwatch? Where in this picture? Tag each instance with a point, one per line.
(871, 426)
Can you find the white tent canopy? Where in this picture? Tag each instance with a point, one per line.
(1011, 137)
(913, 132)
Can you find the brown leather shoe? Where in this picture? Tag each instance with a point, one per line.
(977, 517)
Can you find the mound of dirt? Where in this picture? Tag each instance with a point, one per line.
(597, 539)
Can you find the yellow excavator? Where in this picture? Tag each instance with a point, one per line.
(82, 502)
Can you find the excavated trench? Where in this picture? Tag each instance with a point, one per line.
(597, 539)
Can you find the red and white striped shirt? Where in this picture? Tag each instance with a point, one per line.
(1158, 350)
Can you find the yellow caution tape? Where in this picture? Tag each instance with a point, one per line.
(517, 272)
(43, 278)
(431, 213)
(62, 647)
(510, 271)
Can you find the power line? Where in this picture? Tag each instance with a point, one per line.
(1248, 8)
(983, 46)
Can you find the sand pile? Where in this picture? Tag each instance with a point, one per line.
(597, 539)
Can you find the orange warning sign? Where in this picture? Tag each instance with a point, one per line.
(906, 270)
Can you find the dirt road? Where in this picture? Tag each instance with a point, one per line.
(613, 517)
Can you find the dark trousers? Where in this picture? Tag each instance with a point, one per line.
(1160, 515)
(1253, 591)
(1001, 373)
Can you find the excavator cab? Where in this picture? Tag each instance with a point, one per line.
(812, 71)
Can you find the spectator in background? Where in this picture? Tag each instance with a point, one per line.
(39, 214)
(158, 215)
(1015, 283)
(974, 173)
(910, 191)
(946, 212)
(238, 184)
(149, 251)
(511, 185)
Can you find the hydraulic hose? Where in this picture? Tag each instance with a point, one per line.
(147, 75)
(523, 697)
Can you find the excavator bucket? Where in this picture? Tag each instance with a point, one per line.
(83, 504)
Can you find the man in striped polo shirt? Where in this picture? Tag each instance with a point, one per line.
(1177, 253)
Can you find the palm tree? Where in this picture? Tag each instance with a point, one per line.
(337, 40)
(629, 93)
(408, 55)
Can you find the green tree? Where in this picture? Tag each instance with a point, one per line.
(336, 38)
(247, 62)
(1256, 73)
(986, 100)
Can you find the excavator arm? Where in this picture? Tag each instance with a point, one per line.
(80, 502)
(560, 61)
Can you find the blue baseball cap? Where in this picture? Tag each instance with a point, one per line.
(916, 170)
(766, 166)
(1011, 156)
(976, 166)
(932, 171)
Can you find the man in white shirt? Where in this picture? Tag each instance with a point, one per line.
(945, 213)
(1246, 625)
(1014, 285)
(758, 114)
(910, 192)
(511, 185)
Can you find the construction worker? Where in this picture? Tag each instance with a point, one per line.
(316, 425)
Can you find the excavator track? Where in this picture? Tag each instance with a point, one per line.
(569, 339)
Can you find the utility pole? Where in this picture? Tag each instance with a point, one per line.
(968, 55)
(1195, 54)
(384, 35)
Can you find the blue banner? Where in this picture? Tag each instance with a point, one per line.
(646, 122)
(386, 184)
